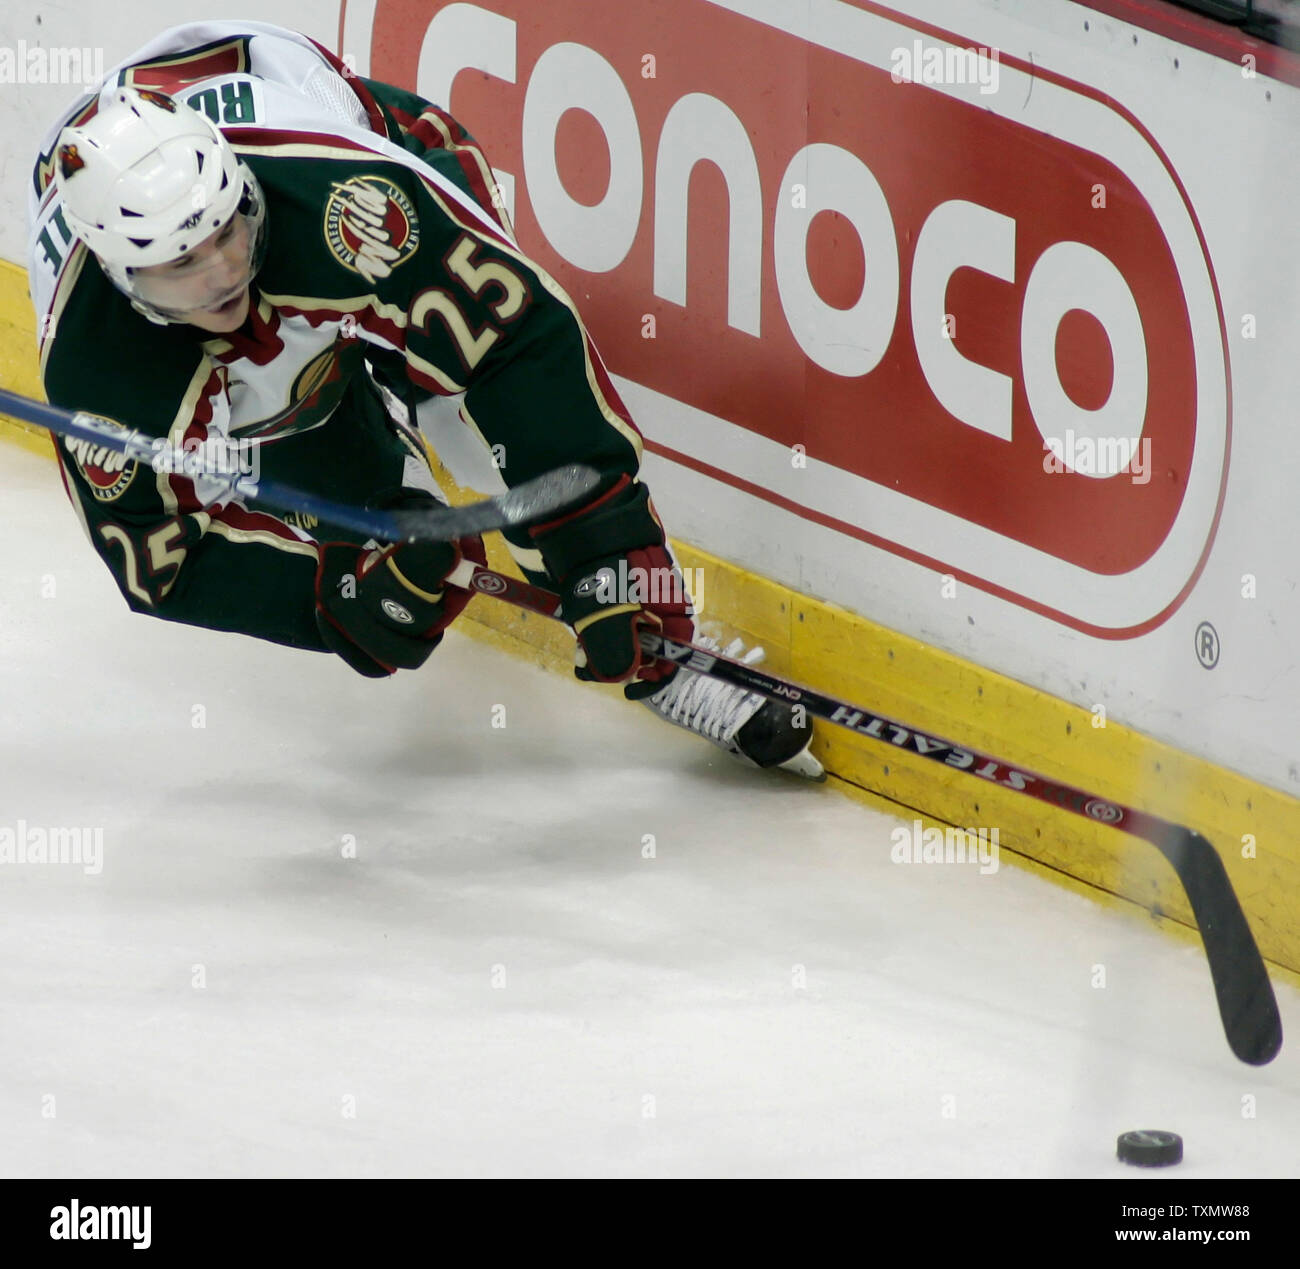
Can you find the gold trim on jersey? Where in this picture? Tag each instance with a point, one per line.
(261, 537)
(218, 347)
(177, 428)
(310, 150)
(480, 160)
(63, 288)
(342, 305)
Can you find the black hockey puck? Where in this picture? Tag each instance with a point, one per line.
(1150, 1148)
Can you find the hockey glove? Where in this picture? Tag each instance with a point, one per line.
(615, 578)
(385, 610)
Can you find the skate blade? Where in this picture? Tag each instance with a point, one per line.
(803, 764)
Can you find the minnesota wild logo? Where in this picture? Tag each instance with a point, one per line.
(370, 226)
(157, 99)
(107, 472)
(70, 160)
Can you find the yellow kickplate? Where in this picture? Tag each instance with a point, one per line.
(1256, 829)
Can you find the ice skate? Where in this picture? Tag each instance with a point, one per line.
(758, 731)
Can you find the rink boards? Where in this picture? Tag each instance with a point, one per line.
(883, 350)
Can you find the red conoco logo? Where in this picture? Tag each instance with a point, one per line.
(929, 287)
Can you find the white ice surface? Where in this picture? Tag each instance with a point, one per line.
(499, 980)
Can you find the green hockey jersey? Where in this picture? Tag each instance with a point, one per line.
(387, 262)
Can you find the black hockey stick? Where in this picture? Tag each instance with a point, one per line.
(533, 500)
(1241, 984)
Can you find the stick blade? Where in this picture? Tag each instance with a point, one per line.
(1247, 1005)
(549, 494)
(532, 502)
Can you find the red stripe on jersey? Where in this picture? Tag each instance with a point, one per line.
(262, 347)
(423, 131)
(607, 389)
(366, 318)
(478, 186)
(296, 136)
(421, 380)
(489, 230)
(196, 431)
(403, 117)
(484, 193)
(254, 522)
(170, 71)
(408, 121)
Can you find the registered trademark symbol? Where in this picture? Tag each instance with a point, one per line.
(1207, 645)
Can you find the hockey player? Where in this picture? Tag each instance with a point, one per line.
(237, 243)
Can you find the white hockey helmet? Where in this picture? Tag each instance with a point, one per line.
(147, 179)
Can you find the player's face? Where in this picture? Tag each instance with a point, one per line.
(206, 287)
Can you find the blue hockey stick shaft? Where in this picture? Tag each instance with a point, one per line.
(538, 499)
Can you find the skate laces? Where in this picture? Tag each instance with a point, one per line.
(708, 706)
